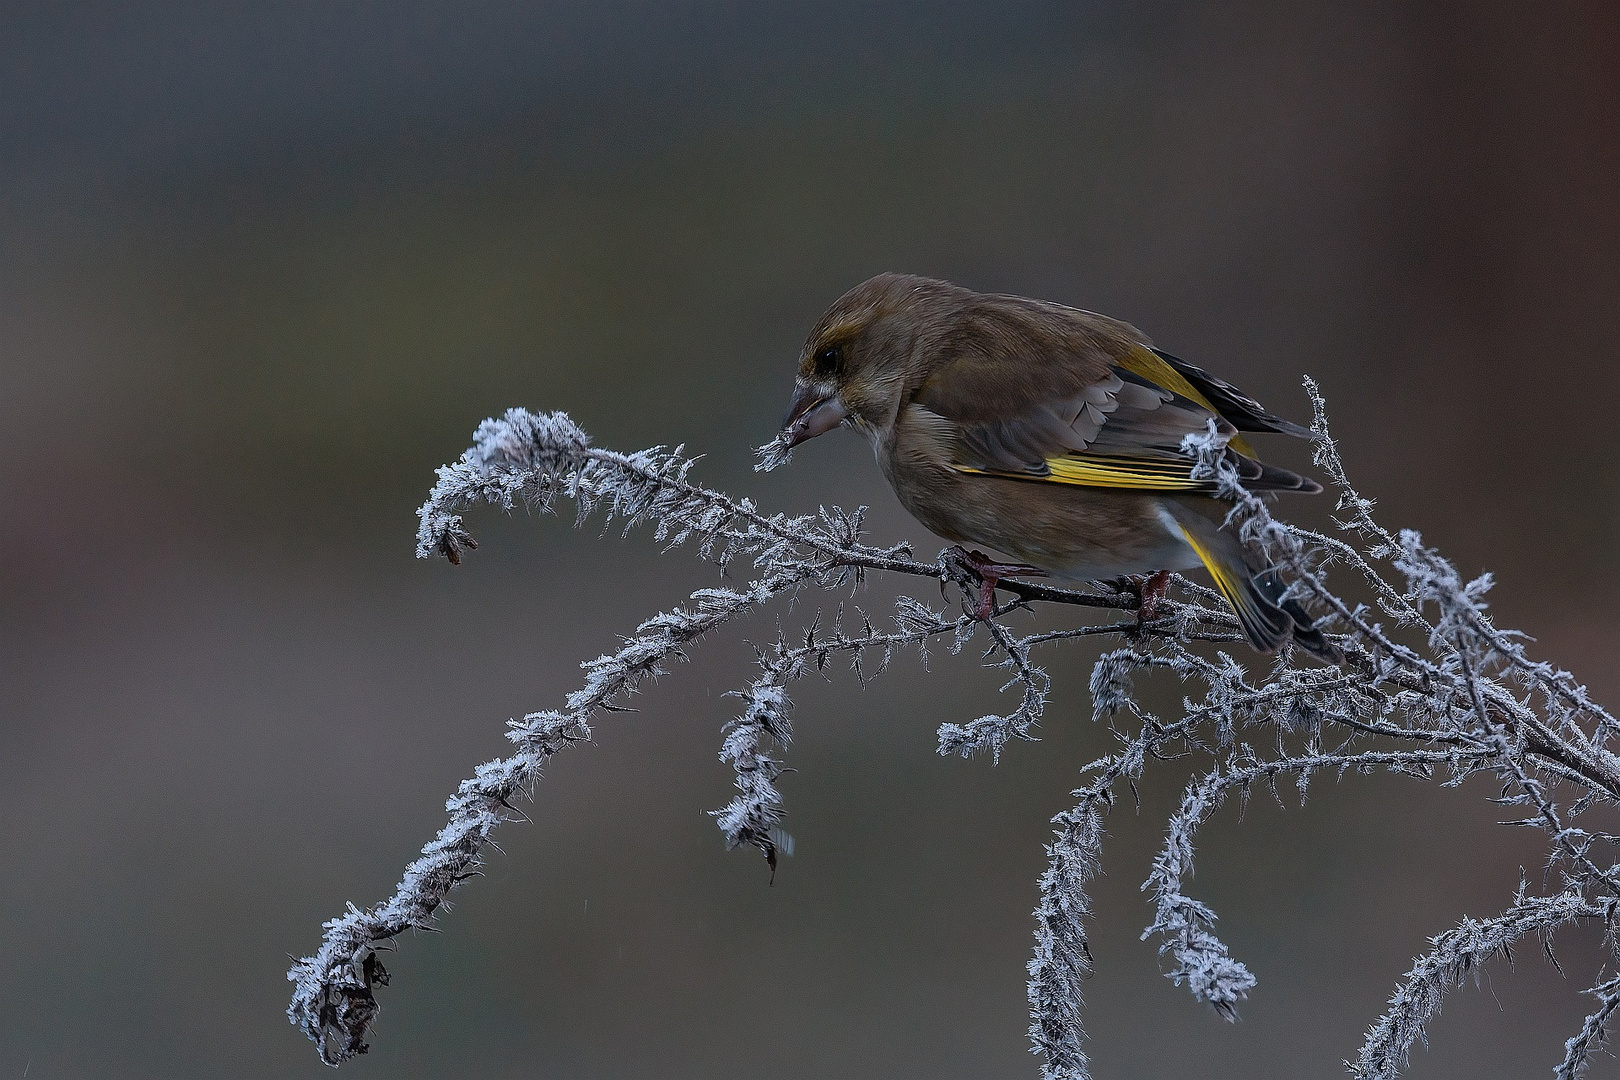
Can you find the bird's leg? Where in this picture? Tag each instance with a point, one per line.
(989, 574)
(1149, 589)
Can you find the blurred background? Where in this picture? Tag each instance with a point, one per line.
(264, 266)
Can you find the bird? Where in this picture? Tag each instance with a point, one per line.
(1051, 434)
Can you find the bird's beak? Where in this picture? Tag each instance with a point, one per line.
(814, 411)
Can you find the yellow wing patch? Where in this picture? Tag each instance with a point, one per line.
(1147, 364)
(1139, 474)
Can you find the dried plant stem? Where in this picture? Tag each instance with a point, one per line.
(1426, 686)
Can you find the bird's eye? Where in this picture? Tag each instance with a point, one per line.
(828, 361)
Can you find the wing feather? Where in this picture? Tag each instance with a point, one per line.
(1046, 393)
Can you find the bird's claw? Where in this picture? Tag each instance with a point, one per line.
(980, 570)
(1150, 590)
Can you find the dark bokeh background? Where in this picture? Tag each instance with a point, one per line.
(262, 267)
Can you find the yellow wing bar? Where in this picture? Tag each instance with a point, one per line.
(1141, 474)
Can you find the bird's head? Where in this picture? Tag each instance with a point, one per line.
(867, 354)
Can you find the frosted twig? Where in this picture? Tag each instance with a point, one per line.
(1594, 1033)
(1454, 955)
(753, 814)
(1425, 685)
(1062, 957)
(990, 734)
(1201, 959)
(333, 1000)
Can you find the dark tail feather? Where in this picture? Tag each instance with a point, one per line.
(1266, 589)
(1256, 596)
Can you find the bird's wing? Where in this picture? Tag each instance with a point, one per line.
(1245, 413)
(1087, 403)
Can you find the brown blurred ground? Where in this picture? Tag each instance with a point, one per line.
(262, 272)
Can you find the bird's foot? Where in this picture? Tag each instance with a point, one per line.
(988, 574)
(1149, 590)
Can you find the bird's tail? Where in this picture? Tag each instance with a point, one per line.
(1256, 593)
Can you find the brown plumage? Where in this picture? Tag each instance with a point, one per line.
(1045, 432)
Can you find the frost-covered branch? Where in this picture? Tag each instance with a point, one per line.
(334, 1001)
(766, 721)
(1062, 957)
(1594, 1033)
(1202, 961)
(1459, 952)
(532, 460)
(1424, 685)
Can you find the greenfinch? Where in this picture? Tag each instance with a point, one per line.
(1048, 433)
